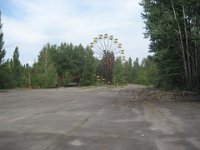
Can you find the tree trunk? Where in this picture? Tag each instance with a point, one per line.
(181, 42)
(187, 45)
(29, 79)
(196, 66)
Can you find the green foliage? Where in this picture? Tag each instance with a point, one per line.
(173, 28)
(2, 50)
(68, 58)
(44, 72)
(119, 73)
(2, 54)
(129, 71)
(66, 79)
(89, 66)
(6, 78)
(16, 68)
(26, 76)
(146, 72)
(59, 65)
(64, 64)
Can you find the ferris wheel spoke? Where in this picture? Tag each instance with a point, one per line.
(110, 42)
(106, 46)
(111, 45)
(99, 53)
(98, 49)
(114, 47)
(101, 44)
(117, 52)
(106, 42)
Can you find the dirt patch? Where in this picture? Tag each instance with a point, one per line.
(138, 95)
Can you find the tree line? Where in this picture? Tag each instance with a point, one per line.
(56, 65)
(174, 31)
(59, 65)
(171, 26)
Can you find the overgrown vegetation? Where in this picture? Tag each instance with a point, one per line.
(144, 73)
(65, 64)
(174, 31)
(173, 28)
(56, 66)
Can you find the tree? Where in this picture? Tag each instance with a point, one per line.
(6, 76)
(146, 72)
(25, 80)
(173, 28)
(88, 74)
(2, 50)
(119, 73)
(71, 63)
(129, 70)
(44, 72)
(16, 68)
(135, 68)
(4, 70)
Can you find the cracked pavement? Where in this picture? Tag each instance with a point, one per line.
(76, 118)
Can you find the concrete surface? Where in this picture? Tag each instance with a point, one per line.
(92, 119)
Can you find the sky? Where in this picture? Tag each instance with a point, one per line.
(30, 24)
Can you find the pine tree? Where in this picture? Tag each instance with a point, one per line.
(3, 67)
(17, 68)
(2, 50)
(129, 70)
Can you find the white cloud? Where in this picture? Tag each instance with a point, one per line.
(76, 21)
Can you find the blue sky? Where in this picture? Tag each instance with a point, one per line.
(30, 24)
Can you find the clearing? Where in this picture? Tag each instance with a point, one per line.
(95, 119)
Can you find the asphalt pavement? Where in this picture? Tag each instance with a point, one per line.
(92, 119)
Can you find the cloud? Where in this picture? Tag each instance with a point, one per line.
(34, 23)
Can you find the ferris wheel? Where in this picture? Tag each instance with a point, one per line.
(107, 43)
